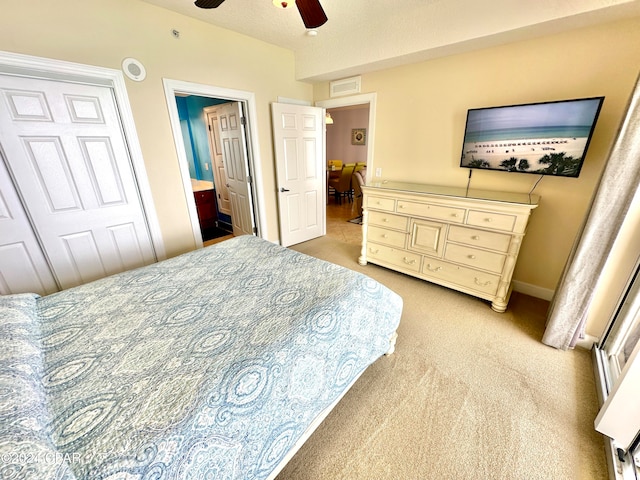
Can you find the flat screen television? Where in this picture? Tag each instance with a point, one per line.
(549, 138)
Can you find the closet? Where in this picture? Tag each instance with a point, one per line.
(70, 210)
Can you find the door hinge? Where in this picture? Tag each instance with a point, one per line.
(243, 120)
(209, 126)
(255, 230)
(249, 179)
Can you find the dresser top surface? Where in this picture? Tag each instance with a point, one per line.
(509, 197)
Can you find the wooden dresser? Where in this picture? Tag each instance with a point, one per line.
(467, 240)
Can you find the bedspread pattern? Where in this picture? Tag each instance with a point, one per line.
(207, 365)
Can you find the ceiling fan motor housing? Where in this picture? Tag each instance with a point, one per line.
(311, 11)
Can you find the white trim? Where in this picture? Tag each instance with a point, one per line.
(532, 290)
(362, 99)
(38, 67)
(171, 87)
(617, 470)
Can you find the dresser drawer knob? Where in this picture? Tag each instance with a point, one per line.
(472, 257)
(489, 219)
(409, 261)
(400, 205)
(454, 215)
(432, 268)
(475, 237)
(481, 284)
(384, 235)
(385, 220)
(373, 250)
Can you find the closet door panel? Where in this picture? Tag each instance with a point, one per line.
(68, 156)
(23, 267)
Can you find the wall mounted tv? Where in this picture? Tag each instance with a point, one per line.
(549, 138)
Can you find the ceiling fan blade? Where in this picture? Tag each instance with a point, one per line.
(208, 3)
(312, 13)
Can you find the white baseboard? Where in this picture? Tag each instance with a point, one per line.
(532, 290)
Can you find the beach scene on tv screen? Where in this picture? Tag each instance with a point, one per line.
(546, 138)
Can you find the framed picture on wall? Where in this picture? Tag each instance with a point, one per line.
(358, 136)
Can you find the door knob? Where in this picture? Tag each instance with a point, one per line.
(282, 189)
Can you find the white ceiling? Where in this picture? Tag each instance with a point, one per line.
(366, 35)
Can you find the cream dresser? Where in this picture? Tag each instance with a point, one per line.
(467, 240)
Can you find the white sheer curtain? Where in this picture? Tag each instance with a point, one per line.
(618, 184)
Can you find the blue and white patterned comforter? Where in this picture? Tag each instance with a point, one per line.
(209, 365)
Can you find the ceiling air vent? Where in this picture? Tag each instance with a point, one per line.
(346, 86)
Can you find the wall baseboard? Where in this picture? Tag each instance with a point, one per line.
(533, 290)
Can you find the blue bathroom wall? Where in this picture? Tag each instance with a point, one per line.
(194, 132)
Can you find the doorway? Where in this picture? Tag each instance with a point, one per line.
(349, 113)
(246, 100)
(199, 122)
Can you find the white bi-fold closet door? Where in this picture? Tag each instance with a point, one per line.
(70, 209)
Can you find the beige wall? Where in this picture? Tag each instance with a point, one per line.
(421, 111)
(103, 33)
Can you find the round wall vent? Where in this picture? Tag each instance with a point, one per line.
(133, 69)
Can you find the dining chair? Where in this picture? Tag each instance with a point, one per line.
(358, 181)
(342, 185)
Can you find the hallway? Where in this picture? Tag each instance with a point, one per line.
(338, 225)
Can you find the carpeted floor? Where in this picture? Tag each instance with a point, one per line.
(469, 394)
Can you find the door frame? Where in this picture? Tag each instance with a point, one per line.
(60, 70)
(173, 87)
(361, 99)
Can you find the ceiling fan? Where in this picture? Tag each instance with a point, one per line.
(311, 11)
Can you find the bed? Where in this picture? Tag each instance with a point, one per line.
(215, 364)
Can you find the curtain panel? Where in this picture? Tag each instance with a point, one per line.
(617, 187)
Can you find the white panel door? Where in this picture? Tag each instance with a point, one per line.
(298, 133)
(67, 154)
(23, 267)
(219, 175)
(236, 167)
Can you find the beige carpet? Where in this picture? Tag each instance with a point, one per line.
(469, 394)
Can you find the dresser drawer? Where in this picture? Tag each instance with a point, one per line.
(497, 221)
(475, 258)
(388, 221)
(381, 203)
(450, 214)
(479, 238)
(388, 237)
(466, 277)
(400, 258)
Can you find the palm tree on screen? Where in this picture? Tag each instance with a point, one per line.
(559, 164)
